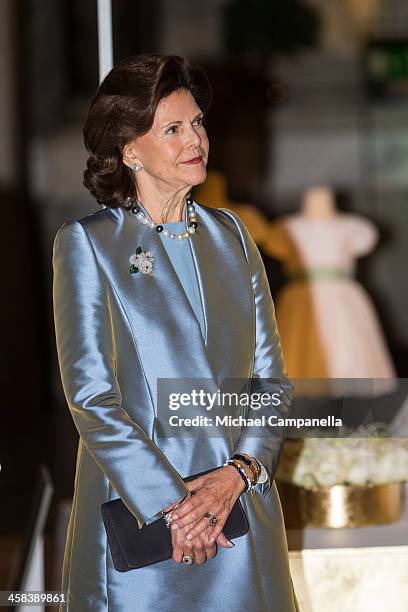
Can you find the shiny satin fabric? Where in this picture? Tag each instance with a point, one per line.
(116, 334)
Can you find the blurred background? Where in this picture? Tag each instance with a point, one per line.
(307, 93)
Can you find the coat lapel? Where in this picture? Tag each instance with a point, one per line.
(226, 291)
(165, 329)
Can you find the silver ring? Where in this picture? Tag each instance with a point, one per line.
(212, 520)
(168, 519)
(187, 560)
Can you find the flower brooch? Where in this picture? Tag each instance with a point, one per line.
(141, 261)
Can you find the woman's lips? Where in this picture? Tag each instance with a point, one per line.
(195, 160)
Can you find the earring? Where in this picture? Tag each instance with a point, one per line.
(136, 167)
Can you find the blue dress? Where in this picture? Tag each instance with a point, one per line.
(179, 252)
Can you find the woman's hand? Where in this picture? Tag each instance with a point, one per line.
(200, 548)
(214, 493)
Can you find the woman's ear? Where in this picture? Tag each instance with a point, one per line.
(129, 156)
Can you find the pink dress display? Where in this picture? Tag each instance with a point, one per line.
(326, 320)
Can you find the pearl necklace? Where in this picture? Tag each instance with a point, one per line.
(135, 208)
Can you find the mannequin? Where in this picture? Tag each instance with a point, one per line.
(318, 203)
(328, 325)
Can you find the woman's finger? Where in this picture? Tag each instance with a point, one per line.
(180, 546)
(192, 510)
(177, 544)
(177, 554)
(198, 551)
(203, 549)
(188, 507)
(219, 526)
(223, 541)
(201, 526)
(191, 517)
(210, 549)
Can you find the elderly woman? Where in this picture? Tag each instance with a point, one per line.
(155, 285)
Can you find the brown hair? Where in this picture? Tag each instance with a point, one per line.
(123, 108)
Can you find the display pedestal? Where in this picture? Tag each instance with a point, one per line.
(363, 569)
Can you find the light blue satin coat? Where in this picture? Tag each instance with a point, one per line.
(116, 334)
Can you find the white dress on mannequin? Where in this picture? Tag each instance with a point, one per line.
(326, 320)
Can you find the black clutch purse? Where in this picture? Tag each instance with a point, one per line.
(132, 548)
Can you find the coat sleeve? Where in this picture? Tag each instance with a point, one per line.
(134, 465)
(264, 443)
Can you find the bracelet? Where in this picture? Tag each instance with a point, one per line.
(254, 461)
(258, 465)
(240, 466)
(250, 462)
(242, 473)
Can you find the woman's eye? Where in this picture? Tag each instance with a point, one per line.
(173, 128)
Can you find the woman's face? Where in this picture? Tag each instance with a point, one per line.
(175, 150)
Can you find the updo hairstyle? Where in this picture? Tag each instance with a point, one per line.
(123, 108)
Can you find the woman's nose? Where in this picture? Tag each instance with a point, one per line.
(194, 137)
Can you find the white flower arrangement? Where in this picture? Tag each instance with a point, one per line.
(364, 460)
(141, 261)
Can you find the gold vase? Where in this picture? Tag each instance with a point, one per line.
(341, 506)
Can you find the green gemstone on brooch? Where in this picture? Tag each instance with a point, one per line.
(141, 261)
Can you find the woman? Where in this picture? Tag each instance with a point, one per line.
(156, 286)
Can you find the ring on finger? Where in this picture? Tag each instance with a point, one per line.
(188, 560)
(212, 520)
